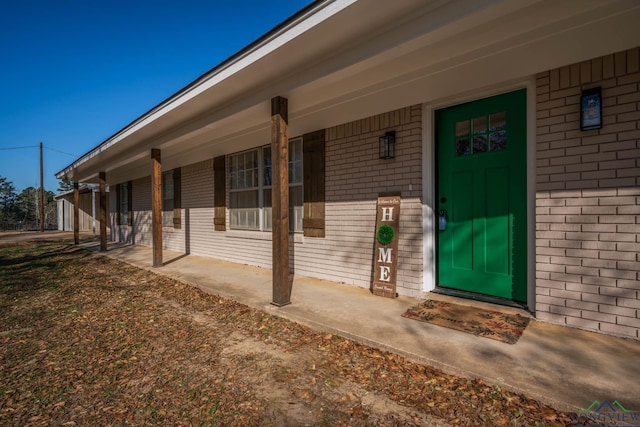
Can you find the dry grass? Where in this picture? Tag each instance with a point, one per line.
(86, 340)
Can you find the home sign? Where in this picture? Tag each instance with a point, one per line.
(385, 255)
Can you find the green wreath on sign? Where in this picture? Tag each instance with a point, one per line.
(385, 234)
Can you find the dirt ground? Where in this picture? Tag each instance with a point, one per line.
(87, 340)
(15, 237)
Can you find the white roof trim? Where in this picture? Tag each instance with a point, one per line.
(271, 42)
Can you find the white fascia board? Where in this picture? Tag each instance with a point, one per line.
(271, 43)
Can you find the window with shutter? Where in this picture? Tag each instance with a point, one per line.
(250, 191)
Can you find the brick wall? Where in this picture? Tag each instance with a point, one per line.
(588, 198)
(354, 177)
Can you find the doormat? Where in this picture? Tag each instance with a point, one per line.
(484, 323)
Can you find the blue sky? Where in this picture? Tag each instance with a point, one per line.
(73, 73)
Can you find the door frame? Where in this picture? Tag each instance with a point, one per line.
(429, 178)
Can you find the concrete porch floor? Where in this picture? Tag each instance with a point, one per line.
(565, 367)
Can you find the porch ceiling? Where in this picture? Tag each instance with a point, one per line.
(343, 60)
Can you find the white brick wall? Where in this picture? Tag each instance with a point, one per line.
(588, 198)
(354, 178)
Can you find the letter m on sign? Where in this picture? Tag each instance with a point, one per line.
(384, 255)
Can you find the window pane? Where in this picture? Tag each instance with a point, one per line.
(167, 218)
(497, 121)
(267, 201)
(243, 211)
(244, 219)
(267, 218)
(479, 143)
(498, 140)
(479, 125)
(267, 197)
(295, 208)
(244, 199)
(462, 128)
(167, 185)
(295, 161)
(251, 175)
(463, 147)
(243, 171)
(266, 166)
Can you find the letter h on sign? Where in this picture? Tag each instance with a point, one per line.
(387, 215)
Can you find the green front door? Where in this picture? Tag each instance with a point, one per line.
(482, 196)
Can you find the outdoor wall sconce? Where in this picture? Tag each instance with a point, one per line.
(591, 109)
(388, 145)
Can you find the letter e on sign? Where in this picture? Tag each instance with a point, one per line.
(384, 273)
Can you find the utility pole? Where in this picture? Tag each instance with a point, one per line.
(41, 192)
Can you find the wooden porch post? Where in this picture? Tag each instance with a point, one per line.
(103, 211)
(280, 200)
(156, 206)
(76, 213)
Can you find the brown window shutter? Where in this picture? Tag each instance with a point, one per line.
(118, 199)
(129, 204)
(177, 198)
(313, 153)
(219, 196)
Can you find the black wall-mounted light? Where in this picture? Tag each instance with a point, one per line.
(591, 109)
(388, 145)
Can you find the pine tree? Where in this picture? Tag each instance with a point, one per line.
(7, 200)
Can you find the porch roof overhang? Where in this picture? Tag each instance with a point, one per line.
(342, 60)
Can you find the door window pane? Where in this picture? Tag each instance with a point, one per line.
(481, 134)
(498, 140)
(498, 135)
(479, 143)
(462, 128)
(497, 121)
(479, 125)
(463, 147)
